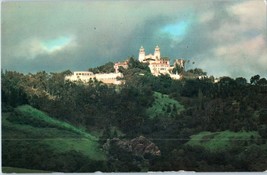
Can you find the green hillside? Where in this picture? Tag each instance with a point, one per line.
(195, 124)
(215, 141)
(28, 128)
(21, 170)
(164, 106)
(37, 118)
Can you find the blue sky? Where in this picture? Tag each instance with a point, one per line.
(178, 29)
(56, 43)
(222, 37)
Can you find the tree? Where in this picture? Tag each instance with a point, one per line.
(226, 87)
(106, 68)
(262, 82)
(254, 80)
(241, 81)
(197, 71)
(133, 63)
(13, 93)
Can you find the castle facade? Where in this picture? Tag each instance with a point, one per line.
(160, 65)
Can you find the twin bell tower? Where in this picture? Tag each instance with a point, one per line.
(143, 57)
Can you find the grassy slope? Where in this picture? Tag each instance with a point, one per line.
(214, 141)
(21, 170)
(161, 104)
(59, 135)
(39, 115)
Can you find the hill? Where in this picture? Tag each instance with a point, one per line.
(31, 129)
(197, 124)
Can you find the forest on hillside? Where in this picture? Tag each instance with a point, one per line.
(147, 124)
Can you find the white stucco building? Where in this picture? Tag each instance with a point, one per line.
(110, 78)
(86, 76)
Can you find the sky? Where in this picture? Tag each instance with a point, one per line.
(223, 37)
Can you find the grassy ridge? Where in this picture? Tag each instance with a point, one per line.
(21, 170)
(39, 116)
(214, 141)
(84, 146)
(14, 130)
(164, 106)
(33, 125)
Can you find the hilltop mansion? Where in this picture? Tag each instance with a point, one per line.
(157, 65)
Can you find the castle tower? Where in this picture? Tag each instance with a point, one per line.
(141, 54)
(157, 53)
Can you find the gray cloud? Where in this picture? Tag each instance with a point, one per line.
(223, 37)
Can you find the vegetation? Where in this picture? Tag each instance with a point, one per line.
(55, 125)
(106, 68)
(29, 135)
(164, 106)
(216, 141)
(21, 170)
(34, 117)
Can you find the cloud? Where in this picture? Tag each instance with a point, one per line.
(243, 58)
(222, 37)
(228, 39)
(33, 47)
(29, 49)
(240, 43)
(206, 17)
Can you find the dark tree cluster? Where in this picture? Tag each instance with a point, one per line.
(106, 68)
